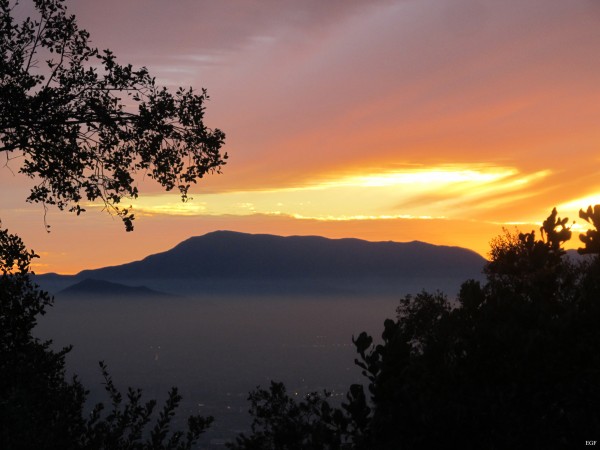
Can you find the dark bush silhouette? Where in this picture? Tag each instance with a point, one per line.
(513, 363)
(40, 408)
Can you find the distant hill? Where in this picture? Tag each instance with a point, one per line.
(230, 261)
(91, 287)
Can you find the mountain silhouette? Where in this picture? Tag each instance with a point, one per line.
(91, 287)
(226, 260)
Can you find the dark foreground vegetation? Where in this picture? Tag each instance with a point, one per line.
(40, 408)
(513, 363)
(81, 125)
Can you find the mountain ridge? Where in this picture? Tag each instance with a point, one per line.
(222, 259)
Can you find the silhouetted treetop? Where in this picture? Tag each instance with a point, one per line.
(591, 239)
(82, 125)
(555, 231)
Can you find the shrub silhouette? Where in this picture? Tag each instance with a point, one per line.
(512, 363)
(40, 408)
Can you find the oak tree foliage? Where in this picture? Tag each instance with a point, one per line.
(82, 124)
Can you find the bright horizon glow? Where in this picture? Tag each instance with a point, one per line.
(398, 194)
(435, 120)
(580, 203)
(436, 176)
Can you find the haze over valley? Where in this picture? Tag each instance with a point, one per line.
(223, 313)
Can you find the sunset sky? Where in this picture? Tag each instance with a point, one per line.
(432, 120)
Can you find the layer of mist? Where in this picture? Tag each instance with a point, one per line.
(215, 349)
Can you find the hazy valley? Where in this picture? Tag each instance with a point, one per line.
(223, 313)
